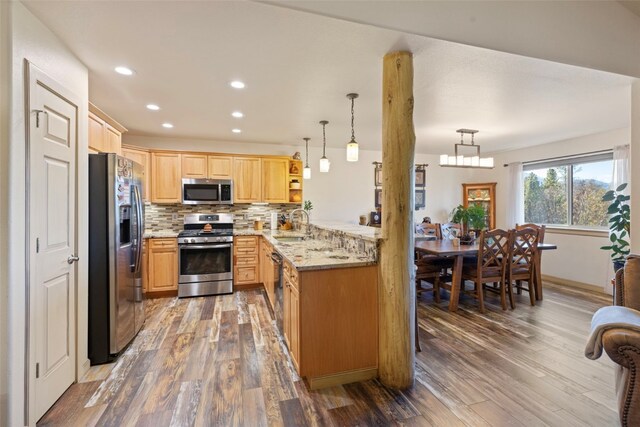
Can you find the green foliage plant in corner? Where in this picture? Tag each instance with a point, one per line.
(619, 212)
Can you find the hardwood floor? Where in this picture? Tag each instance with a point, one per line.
(220, 361)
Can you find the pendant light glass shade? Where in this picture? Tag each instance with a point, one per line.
(352, 151)
(306, 172)
(352, 146)
(325, 164)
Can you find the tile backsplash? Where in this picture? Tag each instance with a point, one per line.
(171, 217)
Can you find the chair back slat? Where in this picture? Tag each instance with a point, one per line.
(432, 230)
(493, 250)
(446, 230)
(541, 229)
(523, 249)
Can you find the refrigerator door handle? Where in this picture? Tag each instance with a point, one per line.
(140, 223)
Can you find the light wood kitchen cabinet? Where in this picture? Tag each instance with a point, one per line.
(143, 158)
(247, 179)
(483, 194)
(331, 339)
(291, 314)
(145, 265)
(114, 140)
(246, 264)
(275, 184)
(194, 166)
(220, 167)
(163, 265)
(268, 275)
(97, 134)
(105, 134)
(165, 178)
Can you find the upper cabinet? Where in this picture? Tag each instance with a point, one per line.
(144, 158)
(256, 179)
(194, 166)
(220, 167)
(165, 178)
(247, 179)
(275, 185)
(105, 134)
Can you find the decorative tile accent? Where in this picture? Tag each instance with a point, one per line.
(159, 217)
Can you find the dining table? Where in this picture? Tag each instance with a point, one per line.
(446, 248)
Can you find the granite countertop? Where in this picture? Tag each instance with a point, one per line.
(354, 230)
(312, 254)
(161, 234)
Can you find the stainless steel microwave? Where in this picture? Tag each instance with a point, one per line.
(207, 191)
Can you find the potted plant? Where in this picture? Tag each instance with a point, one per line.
(470, 218)
(619, 212)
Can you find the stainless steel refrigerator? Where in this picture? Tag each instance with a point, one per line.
(116, 227)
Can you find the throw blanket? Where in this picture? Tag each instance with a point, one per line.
(614, 317)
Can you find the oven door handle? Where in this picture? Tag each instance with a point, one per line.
(227, 245)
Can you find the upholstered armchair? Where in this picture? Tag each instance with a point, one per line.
(616, 329)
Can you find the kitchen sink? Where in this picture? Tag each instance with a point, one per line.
(289, 238)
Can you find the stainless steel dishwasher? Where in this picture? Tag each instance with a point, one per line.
(278, 310)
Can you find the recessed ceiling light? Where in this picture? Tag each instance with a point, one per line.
(237, 84)
(153, 107)
(236, 130)
(125, 71)
(167, 125)
(237, 114)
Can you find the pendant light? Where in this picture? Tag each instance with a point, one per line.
(306, 172)
(352, 146)
(325, 164)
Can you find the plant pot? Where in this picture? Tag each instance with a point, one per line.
(617, 265)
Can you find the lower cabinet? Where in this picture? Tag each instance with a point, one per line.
(330, 325)
(145, 265)
(163, 265)
(291, 314)
(246, 263)
(267, 275)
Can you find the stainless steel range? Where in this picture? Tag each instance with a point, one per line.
(206, 255)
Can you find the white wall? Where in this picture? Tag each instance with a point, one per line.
(5, 71)
(347, 191)
(578, 257)
(31, 40)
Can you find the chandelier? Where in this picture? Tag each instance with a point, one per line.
(462, 160)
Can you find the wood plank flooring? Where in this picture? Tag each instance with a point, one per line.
(219, 361)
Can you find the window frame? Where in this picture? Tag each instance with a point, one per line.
(569, 162)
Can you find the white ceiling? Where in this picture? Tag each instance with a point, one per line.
(298, 67)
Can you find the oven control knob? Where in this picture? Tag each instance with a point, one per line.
(206, 239)
(193, 240)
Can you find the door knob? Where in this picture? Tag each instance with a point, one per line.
(72, 259)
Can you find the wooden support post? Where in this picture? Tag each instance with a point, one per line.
(397, 290)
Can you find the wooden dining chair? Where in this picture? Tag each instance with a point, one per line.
(432, 230)
(493, 251)
(446, 230)
(523, 249)
(538, 259)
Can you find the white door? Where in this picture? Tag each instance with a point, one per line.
(52, 213)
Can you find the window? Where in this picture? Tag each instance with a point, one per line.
(568, 191)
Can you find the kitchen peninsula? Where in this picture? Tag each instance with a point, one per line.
(327, 304)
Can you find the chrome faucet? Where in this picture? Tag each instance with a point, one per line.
(297, 226)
